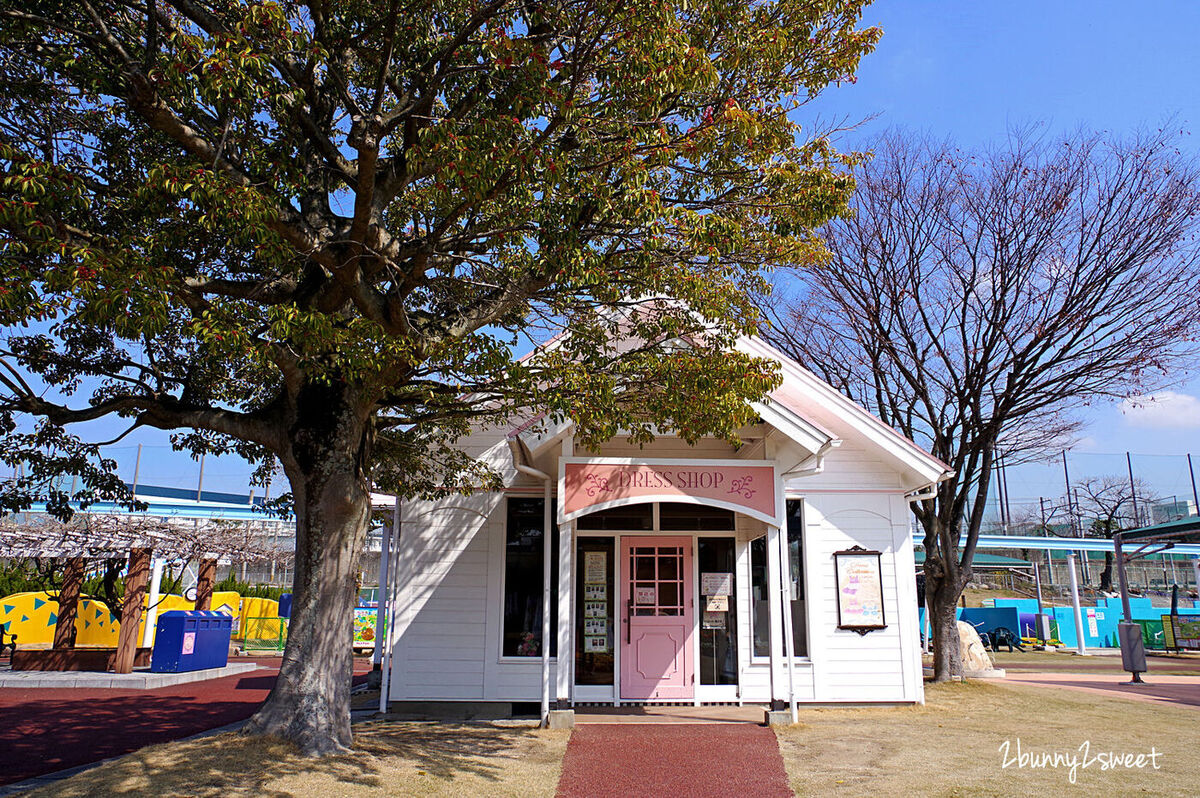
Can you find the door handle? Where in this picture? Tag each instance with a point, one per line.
(628, 630)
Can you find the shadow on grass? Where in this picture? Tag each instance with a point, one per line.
(387, 756)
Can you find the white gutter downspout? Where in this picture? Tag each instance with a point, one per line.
(818, 455)
(785, 570)
(518, 456)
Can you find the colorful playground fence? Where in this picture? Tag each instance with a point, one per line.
(262, 633)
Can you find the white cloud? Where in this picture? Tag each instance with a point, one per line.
(1163, 410)
(1085, 444)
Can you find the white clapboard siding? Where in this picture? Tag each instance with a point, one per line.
(450, 581)
(856, 667)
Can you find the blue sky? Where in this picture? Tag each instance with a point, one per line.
(971, 71)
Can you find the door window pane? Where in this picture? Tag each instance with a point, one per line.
(793, 575)
(594, 618)
(718, 628)
(523, 595)
(761, 624)
(668, 598)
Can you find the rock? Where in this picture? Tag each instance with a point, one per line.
(975, 658)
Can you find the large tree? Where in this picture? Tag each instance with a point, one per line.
(975, 300)
(317, 231)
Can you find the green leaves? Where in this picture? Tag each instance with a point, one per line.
(265, 195)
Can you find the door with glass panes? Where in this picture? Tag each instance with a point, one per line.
(657, 619)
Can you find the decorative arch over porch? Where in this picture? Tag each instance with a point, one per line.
(589, 485)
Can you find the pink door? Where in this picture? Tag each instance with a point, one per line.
(656, 641)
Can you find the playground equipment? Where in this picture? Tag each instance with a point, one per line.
(34, 616)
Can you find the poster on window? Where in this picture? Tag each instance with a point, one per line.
(716, 584)
(595, 567)
(859, 590)
(712, 620)
(645, 595)
(595, 609)
(595, 592)
(595, 645)
(716, 604)
(595, 626)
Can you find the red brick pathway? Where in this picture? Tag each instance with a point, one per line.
(676, 760)
(44, 730)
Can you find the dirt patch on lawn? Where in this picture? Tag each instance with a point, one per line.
(952, 745)
(389, 758)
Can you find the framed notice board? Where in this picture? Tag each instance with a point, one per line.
(859, 590)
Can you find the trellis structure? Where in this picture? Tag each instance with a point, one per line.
(143, 539)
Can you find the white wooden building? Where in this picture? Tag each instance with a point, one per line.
(665, 566)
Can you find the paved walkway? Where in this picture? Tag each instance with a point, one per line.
(709, 760)
(1181, 691)
(140, 679)
(50, 729)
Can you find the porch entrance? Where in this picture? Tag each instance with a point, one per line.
(658, 616)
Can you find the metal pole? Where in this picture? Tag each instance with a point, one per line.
(1127, 614)
(1192, 474)
(789, 644)
(1037, 581)
(999, 469)
(1132, 657)
(1067, 479)
(137, 465)
(1137, 521)
(1080, 648)
(928, 627)
(1046, 531)
(200, 481)
(390, 630)
(380, 604)
(1085, 564)
(547, 553)
(1007, 495)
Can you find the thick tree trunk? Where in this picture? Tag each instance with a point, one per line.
(943, 625)
(944, 583)
(310, 703)
(1107, 574)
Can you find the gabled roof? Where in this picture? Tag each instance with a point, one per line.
(804, 408)
(808, 396)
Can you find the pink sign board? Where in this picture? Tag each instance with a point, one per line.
(746, 488)
(189, 643)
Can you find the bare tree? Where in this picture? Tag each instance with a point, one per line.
(976, 299)
(1105, 506)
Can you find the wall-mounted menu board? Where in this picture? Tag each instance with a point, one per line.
(859, 590)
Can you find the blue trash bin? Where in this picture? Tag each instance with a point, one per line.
(191, 640)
